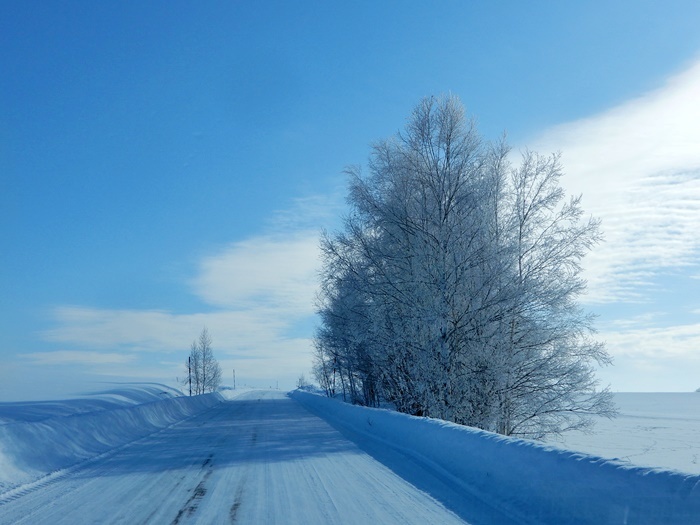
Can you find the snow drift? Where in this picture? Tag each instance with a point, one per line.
(534, 483)
(526, 481)
(34, 441)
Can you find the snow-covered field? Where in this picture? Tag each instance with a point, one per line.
(652, 430)
(144, 454)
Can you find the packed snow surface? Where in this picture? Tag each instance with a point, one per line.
(146, 455)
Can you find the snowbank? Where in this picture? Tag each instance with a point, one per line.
(532, 482)
(121, 395)
(38, 438)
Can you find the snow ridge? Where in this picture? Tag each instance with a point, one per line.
(35, 452)
(532, 482)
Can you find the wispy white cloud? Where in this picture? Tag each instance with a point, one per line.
(638, 168)
(130, 329)
(655, 343)
(278, 271)
(257, 291)
(253, 340)
(651, 352)
(308, 213)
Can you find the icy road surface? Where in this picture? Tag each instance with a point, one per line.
(261, 458)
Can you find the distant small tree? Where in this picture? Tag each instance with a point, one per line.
(203, 370)
(301, 382)
(194, 371)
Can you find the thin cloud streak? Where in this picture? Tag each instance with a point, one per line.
(156, 330)
(63, 357)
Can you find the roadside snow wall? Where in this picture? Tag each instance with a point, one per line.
(532, 482)
(32, 449)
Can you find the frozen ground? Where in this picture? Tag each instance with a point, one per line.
(143, 455)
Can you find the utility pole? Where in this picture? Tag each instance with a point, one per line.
(234, 379)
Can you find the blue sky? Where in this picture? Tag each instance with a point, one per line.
(169, 165)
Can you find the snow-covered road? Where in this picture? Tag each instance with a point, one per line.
(261, 458)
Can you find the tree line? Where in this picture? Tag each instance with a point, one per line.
(452, 290)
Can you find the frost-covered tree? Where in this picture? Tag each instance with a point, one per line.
(342, 357)
(194, 370)
(204, 372)
(452, 289)
(549, 383)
